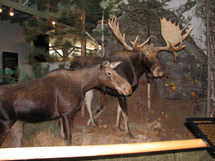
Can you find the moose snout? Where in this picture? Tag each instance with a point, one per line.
(158, 72)
(125, 89)
(128, 91)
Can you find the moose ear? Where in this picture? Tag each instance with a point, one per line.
(112, 65)
(115, 64)
(104, 64)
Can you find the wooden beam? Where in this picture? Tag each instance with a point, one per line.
(19, 20)
(28, 10)
(97, 150)
(20, 2)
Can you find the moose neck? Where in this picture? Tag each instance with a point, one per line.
(137, 59)
(90, 78)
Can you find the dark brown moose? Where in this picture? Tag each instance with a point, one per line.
(137, 60)
(59, 94)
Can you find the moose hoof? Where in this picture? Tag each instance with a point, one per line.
(118, 128)
(130, 135)
(95, 124)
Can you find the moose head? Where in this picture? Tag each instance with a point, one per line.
(112, 79)
(172, 35)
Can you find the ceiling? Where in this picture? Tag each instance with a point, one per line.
(22, 11)
(19, 17)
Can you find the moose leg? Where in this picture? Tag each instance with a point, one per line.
(103, 100)
(98, 112)
(88, 100)
(122, 108)
(61, 126)
(119, 111)
(68, 120)
(17, 134)
(127, 130)
(60, 123)
(4, 130)
(67, 129)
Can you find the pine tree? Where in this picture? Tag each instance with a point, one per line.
(69, 24)
(146, 12)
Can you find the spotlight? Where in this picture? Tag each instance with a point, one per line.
(1, 8)
(53, 22)
(11, 13)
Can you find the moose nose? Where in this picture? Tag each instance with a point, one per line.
(161, 73)
(158, 72)
(128, 91)
(125, 90)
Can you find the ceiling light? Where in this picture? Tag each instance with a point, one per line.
(1, 8)
(11, 13)
(53, 22)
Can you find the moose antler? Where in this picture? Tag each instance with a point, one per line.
(172, 35)
(114, 25)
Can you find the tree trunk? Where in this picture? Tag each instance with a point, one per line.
(209, 61)
(83, 38)
(83, 43)
(103, 43)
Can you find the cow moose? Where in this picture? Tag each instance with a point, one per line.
(59, 94)
(136, 60)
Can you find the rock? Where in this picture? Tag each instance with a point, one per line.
(141, 138)
(154, 126)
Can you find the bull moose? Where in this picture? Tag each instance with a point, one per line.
(59, 94)
(136, 60)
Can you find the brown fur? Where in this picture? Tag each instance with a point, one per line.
(59, 94)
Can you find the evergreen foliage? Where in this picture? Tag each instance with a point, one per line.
(182, 9)
(68, 29)
(146, 12)
(69, 23)
(39, 70)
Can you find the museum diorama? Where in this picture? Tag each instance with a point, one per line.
(107, 80)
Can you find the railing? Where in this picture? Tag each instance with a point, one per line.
(97, 150)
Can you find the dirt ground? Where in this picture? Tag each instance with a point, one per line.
(168, 123)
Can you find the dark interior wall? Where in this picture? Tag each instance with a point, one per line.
(12, 40)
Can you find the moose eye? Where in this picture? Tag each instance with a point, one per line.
(109, 74)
